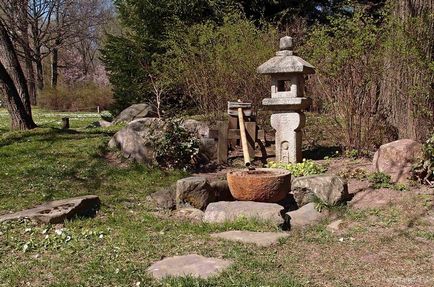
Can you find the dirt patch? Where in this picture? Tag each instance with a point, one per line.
(375, 198)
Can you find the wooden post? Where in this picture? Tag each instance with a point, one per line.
(251, 137)
(222, 143)
(233, 124)
(65, 123)
(244, 143)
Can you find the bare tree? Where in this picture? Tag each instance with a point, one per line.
(77, 26)
(13, 84)
(159, 88)
(40, 28)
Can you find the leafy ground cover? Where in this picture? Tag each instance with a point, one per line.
(388, 246)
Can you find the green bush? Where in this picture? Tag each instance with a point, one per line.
(215, 64)
(307, 167)
(423, 171)
(129, 56)
(177, 148)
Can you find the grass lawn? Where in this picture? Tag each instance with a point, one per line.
(392, 246)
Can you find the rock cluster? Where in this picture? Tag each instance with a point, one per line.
(200, 199)
(136, 140)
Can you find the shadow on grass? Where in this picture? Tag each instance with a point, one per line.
(50, 135)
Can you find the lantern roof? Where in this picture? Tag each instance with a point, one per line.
(285, 61)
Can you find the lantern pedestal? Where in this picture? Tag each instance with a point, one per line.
(287, 100)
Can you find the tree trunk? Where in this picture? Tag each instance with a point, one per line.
(25, 43)
(20, 119)
(54, 67)
(39, 70)
(406, 81)
(31, 83)
(10, 61)
(55, 64)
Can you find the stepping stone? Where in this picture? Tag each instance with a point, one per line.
(335, 226)
(305, 215)
(190, 265)
(59, 210)
(222, 211)
(258, 238)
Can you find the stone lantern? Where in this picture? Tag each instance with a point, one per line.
(287, 100)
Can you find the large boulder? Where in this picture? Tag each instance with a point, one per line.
(136, 139)
(195, 192)
(396, 158)
(328, 188)
(222, 211)
(133, 112)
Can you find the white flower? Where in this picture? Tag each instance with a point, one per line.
(25, 247)
(58, 231)
(101, 236)
(341, 239)
(28, 230)
(138, 283)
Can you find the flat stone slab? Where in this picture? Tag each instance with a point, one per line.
(305, 215)
(189, 265)
(258, 238)
(222, 211)
(57, 211)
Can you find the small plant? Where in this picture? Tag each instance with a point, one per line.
(400, 186)
(307, 167)
(357, 173)
(320, 204)
(107, 116)
(380, 180)
(423, 171)
(177, 148)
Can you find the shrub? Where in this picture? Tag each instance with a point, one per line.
(423, 171)
(345, 54)
(177, 148)
(216, 64)
(307, 167)
(83, 97)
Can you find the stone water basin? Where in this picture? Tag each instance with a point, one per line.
(261, 184)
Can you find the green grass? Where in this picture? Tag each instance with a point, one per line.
(117, 246)
(52, 119)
